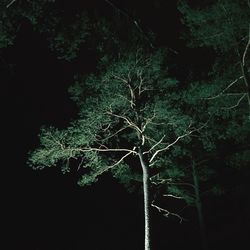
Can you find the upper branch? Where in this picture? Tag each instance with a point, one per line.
(169, 145)
(115, 164)
(175, 141)
(130, 123)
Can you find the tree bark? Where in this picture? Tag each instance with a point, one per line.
(199, 209)
(245, 69)
(247, 82)
(144, 166)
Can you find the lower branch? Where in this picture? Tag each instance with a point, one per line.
(167, 213)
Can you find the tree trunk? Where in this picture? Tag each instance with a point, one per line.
(244, 68)
(199, 209)
(247, 82)
(144, 166)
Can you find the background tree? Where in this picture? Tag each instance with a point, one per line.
(224, 27)
(195, 167)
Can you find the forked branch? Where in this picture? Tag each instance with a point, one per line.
(167, 213)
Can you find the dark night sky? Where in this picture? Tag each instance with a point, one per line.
(46, 210)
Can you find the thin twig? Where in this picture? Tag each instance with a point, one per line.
(9, 4)
(237, 104)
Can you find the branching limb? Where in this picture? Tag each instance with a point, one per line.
(119, 161)
(114, 134)
(176, 140)
(103, 170)
(124, 80)
(103, 150)
(130, 123)
(155, 145)
(148, 121)
(238, 103)
(225, 89)
(167, 213)
(169, 145)
(127, 82)
(245, 69)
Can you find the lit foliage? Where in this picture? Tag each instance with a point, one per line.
(224, 26)
(221, 24)
(133, 93)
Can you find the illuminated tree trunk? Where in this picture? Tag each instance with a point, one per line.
(247, 82)
(245, 69)
(199, 209)
(144, 166)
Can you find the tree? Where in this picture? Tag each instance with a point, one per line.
(193, 166)
(72, 28)
(127, 111)
(223, 26)
(187, 178)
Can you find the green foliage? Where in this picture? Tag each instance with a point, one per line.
(7, 26)
(128, 177)
(133, 91)
(66, 40)
(219, 100)
(221, 25)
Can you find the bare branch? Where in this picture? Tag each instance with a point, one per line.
(233, 94)
(169, 182)
(103, 150)
(155, 145)
(173, 196)
(9, 4)
(176, 140)
(101, 171)
(169, 145)
(148, 121)
(133, 125)
(238, 103)
(80, 164)
(167, 212)
(119, 161)
(114, 134)
(225, 89)
(120, 78)
(127, 82)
